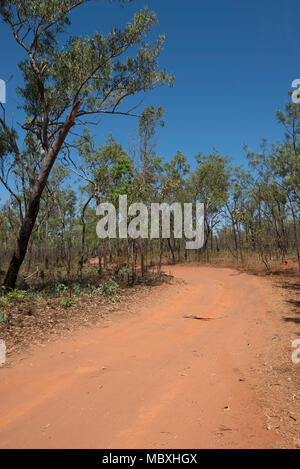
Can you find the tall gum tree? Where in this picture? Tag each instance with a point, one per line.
(66, 85)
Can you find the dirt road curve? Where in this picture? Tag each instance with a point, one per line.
(157, 379)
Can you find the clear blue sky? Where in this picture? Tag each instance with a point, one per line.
(234, 62)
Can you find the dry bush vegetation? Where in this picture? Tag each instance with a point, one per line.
(55, 173)
(41, 312)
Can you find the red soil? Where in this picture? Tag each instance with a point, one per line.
(179, 373)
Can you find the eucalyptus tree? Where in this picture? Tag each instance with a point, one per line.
(210, 183)
(174, 190)
(239, 209)
(66, 83)
(288, 165)
(107, 171)
(149, 170)
(277, 187)
(151, 119)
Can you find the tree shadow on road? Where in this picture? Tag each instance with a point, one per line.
(295, 320)
(293, 286)
(293, 290)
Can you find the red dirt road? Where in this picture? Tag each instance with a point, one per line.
(157, 379)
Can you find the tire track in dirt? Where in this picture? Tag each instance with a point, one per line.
(155, 379)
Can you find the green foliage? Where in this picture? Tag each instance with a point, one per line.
(3, 318)
(211, 179)
(254, 210)
(67, 81)
(83, 288)
(33, 294)
(68, 301)
(93, 68)
(59, 289)
(174, 181)
(157, 277)
(108, 288)
(12, 298)
(150, 119)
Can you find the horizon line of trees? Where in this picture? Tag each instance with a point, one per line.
(253, 211)
(69, 82)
